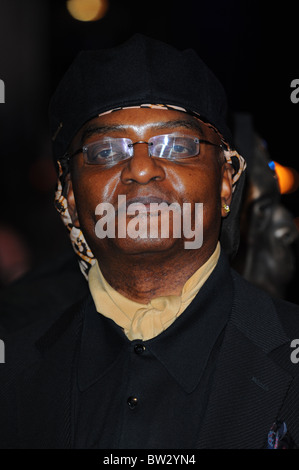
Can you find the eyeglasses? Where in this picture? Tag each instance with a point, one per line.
(109, 151)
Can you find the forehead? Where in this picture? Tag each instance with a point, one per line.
(141, 120)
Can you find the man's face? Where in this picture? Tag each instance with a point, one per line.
(204, 178)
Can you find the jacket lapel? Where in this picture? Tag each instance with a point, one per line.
(246, 396)
(249, 388)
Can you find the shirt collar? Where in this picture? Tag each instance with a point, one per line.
(183, 349)
(145, 321)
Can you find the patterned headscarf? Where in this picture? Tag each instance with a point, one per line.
(85, 256)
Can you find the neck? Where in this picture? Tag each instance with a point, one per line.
(144, 277)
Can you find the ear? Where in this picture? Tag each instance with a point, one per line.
(226, 187)
(71, 202)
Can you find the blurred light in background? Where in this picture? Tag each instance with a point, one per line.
(87, 10)
(288, 178)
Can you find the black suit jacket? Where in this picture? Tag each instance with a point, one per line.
(255, 382)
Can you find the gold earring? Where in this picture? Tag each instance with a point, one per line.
(226, 208)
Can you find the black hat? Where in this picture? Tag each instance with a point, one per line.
(142, 70)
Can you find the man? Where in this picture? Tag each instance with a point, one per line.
(169, 348)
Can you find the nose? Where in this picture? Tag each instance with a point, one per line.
(142, 168)
(284, 227)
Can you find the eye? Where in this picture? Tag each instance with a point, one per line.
(103, 152)
(183, 147)
(180, 149)
(175, 147)
(263, 207)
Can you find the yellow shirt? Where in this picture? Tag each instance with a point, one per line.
(145, 321)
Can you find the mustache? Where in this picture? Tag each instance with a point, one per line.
(124, 204)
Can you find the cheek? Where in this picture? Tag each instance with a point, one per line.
(198, 184)
(90, 189)
(205, 187)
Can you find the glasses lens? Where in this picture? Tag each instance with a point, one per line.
(174, 147)
(107, 151)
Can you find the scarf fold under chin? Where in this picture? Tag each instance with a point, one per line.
(145, 321)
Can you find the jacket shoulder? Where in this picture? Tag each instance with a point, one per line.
(289, 316)
(50, 288)
(287, 312)
(271, 323)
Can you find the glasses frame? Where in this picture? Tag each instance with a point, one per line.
(84, 148)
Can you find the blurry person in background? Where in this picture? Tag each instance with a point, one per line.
(267, 252)
(15, 257)
(168, 347)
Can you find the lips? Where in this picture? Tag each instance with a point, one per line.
(143, 204)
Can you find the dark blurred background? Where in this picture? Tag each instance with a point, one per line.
(250, 45)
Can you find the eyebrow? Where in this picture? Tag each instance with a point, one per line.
(188, 124)
(101, 130)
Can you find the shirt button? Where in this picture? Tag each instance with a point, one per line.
(139, 348)
(132, 402)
